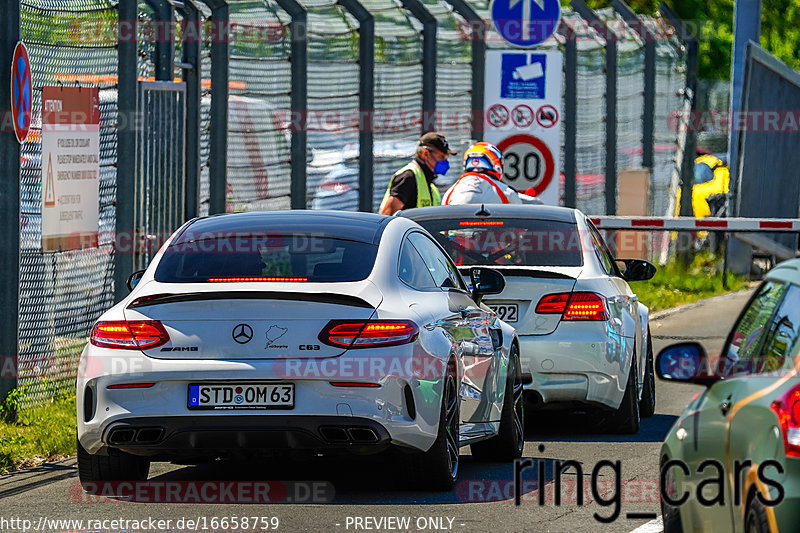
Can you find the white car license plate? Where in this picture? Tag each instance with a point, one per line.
(506, 312)
(241, 396)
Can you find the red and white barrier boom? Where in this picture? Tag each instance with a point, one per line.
(771, 225)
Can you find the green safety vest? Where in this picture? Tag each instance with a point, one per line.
(427, 194)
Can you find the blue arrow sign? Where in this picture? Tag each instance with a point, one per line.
(525, 22)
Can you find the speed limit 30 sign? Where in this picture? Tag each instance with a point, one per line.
(527, 162)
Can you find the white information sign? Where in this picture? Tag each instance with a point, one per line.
(70, 167)
(522, 116)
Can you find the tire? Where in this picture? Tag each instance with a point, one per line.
(626, 419)
(756, 518)
(508, 443)
(437, 468)
(647, 405)
(116, 466)
(671, 516)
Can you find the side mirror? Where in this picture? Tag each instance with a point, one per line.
(134, 278)
(685, 362)
(636, 269)
(486, 281)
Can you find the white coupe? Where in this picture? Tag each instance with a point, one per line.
(316, 332)
(583, 333)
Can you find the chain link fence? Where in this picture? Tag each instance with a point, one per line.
(590, 147)
(453, 83)
(670, 90)
(398, 90)
(259, 170)
(70, 42)
(333, 102)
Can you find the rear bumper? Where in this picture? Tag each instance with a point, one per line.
(578, 362)
(404, 410)
(190, 435)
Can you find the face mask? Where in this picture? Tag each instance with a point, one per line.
(441, 167)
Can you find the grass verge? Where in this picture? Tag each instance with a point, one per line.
(676, 284)
(32, 436)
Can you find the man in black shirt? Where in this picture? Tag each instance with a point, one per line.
(412, 185)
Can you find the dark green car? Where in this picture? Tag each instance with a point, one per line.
(731, 462)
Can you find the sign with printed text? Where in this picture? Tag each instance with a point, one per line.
(522, 75)
(528, 84)
(70, 167)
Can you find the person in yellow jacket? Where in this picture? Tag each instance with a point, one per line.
(709, 189)
(711, 178)
(412, 185)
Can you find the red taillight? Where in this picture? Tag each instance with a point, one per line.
(131, 386)
(574, 306)
(368, 333)
(245, 280)
(585, 306)
(553, 304)
(129, 335)
(481, 223)
(787, 407)
(353, 384)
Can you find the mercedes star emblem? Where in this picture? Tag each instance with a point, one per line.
(242, 333)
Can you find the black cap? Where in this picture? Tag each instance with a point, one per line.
(436, 140)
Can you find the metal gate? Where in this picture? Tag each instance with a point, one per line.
(160, 187)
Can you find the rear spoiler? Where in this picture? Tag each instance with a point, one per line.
(328, 298)
(527, 272)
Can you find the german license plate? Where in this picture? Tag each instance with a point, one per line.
(506, 312)
(218, 396)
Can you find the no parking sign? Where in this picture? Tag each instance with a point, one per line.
(21, 92)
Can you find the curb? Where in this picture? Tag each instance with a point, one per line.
(29, 478)
(664, 313)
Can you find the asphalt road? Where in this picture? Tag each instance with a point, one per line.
(365, 494)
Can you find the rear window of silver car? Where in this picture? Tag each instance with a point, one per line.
(267, 257)
(510, 241)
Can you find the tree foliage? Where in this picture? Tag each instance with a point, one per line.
(712, 20)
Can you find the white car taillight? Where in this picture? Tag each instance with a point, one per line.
(368, 333)
(574, 306)
(129, 334)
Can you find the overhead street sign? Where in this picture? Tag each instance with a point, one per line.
(525, 23)
(21, 92)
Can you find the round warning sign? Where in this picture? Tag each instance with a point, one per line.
(527, 162)
(522, 115)
(547, 116)
(497, 115)
(21, 92)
